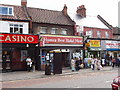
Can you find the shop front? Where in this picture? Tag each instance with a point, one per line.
(15, 49)
(113, 48)
(60, 50)
(93, 48)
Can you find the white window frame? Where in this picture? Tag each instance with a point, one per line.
(99, 34)
(106, 34)
(63, 31)
(19, 26)
(7, 10)
(90, 35)
(54, 30)
(43, 30)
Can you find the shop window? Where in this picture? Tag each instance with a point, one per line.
(16, 28)
(6, 10)
(64, 31)
(54, 31)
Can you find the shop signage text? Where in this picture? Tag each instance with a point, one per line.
(95, 43)
(18, 38)
(112, 44)
(62, 40)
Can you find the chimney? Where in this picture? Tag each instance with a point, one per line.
(64, 9)
(24, 3)
(81, 10)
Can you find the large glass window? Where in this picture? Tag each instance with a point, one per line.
(64, 31)
(54, 31)
(6, 11)
(16, 28)
(43, 30)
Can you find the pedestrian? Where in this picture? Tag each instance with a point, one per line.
(117, 62)
(86, 62)
(29, 64)
(98, 64)
(103, 62)
(113, 62)
(77, 63)
(73, 64)
(93, 63)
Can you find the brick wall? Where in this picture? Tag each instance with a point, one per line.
(94, 30)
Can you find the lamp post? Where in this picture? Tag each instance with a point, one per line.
(84, 45)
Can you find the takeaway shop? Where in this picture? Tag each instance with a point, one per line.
(60, 49)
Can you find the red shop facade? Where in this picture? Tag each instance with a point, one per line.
(15, 49)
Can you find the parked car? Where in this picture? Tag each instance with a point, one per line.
(116, 83)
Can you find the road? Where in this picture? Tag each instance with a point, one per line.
(95, 79)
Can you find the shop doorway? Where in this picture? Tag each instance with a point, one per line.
(65, 59)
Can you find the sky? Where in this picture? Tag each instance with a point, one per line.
(108, 9)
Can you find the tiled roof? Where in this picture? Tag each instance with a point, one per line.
(19, 13)
(38, 15)
(49, 16)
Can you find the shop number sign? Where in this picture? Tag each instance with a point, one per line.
(18, 38)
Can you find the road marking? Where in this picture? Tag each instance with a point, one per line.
(108, 81)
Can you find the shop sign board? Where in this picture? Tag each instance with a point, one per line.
(57, 40)
(95, 43)
(113, 45)
(18, 38)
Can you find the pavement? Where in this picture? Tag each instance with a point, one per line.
(24, 75)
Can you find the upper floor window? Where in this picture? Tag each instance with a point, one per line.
(64, 31)
(54, 31)
(106, 35)
(89, 33)
(43, 30)
(16, 28)
(98, 34)
(6, 10)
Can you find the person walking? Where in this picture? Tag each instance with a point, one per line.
(98, 64)
(113, 62)
(93, 63)
(73, 64)
(103, 62)
(86, 62)
(29, 64)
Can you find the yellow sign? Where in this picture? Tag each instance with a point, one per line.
(95, 43)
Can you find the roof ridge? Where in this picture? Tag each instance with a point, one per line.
(43, 9)
(10, 5)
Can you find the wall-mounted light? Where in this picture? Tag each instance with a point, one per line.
(27, 45)
(36, 45)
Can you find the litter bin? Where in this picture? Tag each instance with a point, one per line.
(47, 69)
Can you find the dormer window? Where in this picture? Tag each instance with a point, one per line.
(6, 10)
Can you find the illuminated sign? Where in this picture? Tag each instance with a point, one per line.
(18, 38)
(53, 40)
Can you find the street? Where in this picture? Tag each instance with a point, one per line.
(94, 79)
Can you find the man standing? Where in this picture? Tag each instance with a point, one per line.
(29, 63)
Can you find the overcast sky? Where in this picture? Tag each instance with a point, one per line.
(108, 9)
